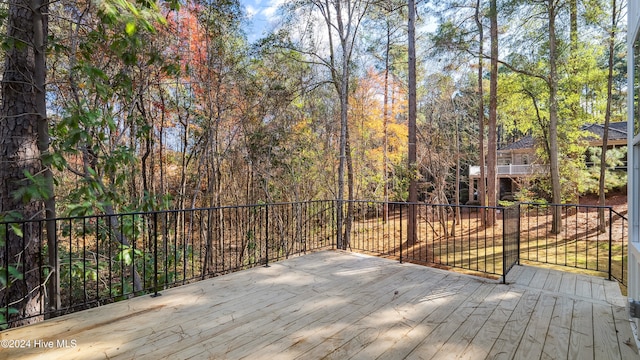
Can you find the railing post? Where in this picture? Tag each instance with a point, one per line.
(266, 241)
(611, 240)
(4, 306)
(519, 228)
(504, 245)
(401, 237)
(155, 255)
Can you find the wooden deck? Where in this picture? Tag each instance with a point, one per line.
(340, 305)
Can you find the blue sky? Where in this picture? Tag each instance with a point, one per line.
(261, 14)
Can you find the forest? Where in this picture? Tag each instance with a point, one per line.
(120, 106)
(168, 106)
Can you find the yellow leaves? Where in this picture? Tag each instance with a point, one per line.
(369, 130)
(133, 15)
(130, 28)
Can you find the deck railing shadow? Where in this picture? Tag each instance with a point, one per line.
(106, 258)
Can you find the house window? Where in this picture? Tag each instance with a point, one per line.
(525, 159)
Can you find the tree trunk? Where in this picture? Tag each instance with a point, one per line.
(457, 217)
(607, 119)
(22, 121)
(349, 220)
(413, 191)
(482, 190)
(573, 25)
(553, 122)
(345, 148)
(342, 240)
(40, 30)
(492, 145)
(385, 112)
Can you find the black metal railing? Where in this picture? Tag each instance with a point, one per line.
(591, 238)
(105, 258)
(453, 236)
(510, 238)
(449, 236)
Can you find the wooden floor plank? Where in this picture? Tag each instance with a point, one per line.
(554, 279)
(340, 305)
(539, 279)
(568, 284)
(605, 342)
(490, 331)
(514, 273)
(374, 328)
(556, 342)
(340, 342)
(627, 345)
(534, 336)
(597, 289)
(321, 300)
(446, 303)
(469, 328)
(213, 316)
(431, 302)
(197, 317)
(305, 335)
(409, 315)
(450, 330)
(613, 294)
(512, 332)
(525, 276)
(581, 340)
(583, 286)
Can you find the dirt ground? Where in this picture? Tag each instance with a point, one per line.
(616, 199)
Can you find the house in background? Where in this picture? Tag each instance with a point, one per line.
(518, 160)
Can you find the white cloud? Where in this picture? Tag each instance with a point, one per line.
(269, 12)
(251, 11)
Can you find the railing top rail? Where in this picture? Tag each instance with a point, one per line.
(622, 216)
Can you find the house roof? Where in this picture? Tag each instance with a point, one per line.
(617, 131)
(524, 143)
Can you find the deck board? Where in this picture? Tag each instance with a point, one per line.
(553, 281)
(487, 335)
(468, 329)
(341, 305)
(532, 344)
(605, 345)
(556, 345)
(373, 328)
(509, 340)
(581, 340)
(444, 331)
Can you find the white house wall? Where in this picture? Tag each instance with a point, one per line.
(633, 156)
